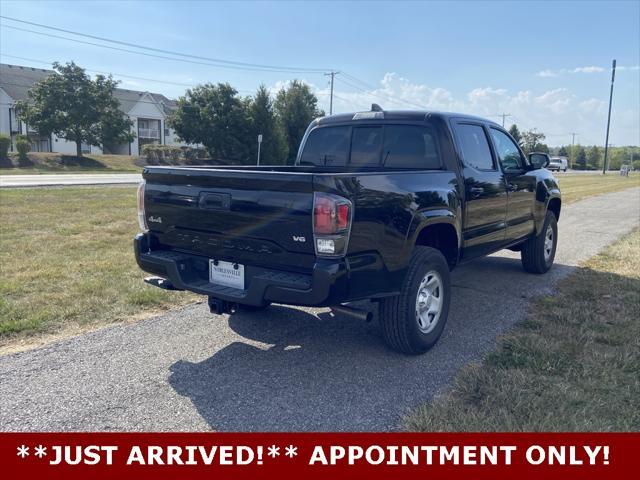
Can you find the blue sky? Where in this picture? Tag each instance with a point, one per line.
(545, 63)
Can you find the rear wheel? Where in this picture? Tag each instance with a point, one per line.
(413, 321)
(538, 252)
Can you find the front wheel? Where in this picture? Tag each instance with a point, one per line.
(539, 251)
(413, 321)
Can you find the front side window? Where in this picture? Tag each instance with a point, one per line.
(410, 146)
(474, 147)
(508, 152)
(327, 146)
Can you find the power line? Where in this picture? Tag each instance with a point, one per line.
(170, 52)
(167, 82)
(382, 96)
(357, 80)
(194, 59)
(164, 57)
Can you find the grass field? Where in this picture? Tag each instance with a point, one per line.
(573, 365)
(581, 185)
(57, 163)
(66, 261)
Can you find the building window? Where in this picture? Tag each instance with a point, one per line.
(166, 132)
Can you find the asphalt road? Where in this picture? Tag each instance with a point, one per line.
(62, 179)
(288, 369)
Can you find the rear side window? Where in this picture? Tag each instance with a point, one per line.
(327, 146)
(410, 146)
(475, 147)
(365, 146)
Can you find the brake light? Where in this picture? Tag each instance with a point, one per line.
(331, 224)
(142, 219)
(343, 216)
(331, 213)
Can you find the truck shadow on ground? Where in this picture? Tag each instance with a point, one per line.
(293, 370)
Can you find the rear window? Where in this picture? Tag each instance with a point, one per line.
(365, 146)
(395, 146)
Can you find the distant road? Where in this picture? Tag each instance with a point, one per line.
(61, 179)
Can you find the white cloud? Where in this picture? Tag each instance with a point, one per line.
(555, 112)
(631, 68)
(589, 69)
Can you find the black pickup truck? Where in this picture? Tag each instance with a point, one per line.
(380, 205)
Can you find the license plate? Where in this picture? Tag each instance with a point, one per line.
(227, 274)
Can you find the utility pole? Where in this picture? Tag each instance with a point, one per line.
(331, 74)
(504, 115)
(573, 141)
(606, 142)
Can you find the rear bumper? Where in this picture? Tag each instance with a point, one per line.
(326, 285)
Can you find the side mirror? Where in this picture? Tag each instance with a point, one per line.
(539, 160)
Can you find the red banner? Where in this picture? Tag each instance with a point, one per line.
(319, 455)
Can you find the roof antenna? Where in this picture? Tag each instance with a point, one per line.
(376, 108)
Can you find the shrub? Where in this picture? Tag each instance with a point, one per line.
(150, 153)
(5, 141)
(193, 155)
(23, 145)
(171, 155)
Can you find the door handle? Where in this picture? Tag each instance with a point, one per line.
(476, 191)
(513, 187)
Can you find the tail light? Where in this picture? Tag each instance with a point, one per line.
(142, 219)
(331, 224)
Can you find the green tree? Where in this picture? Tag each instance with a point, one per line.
(296, 106)
(542, 147)
(274, 148)
(515, 133)
(581, 158)
(593, 157)
(115, 127)
(23, 146)
(563, 152)
(70, 105)
(532, 141)
(5, 143)
(217, 117)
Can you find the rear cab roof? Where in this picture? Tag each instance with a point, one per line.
(398, 115)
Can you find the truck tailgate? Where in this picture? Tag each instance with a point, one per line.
(244, 216)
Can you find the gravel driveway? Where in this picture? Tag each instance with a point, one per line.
(289, 368)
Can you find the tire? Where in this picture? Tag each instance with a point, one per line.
(539, 251)
(253, 308)
(565, 170)
(402, 328)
